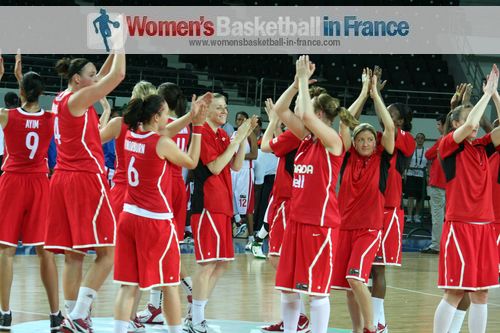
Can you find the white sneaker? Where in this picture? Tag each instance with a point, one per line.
(134, 326)
(199, 328)
(151, 315)
(257, 250)
(417, 219)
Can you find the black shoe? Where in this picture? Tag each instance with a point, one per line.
(55, 322)
(5, 322)
(429, 251)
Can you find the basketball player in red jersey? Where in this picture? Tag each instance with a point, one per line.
(211, 205)
(284, 146)
(25, 187)
(468, 257)
(390, 251)
(176, 193)
(147, 213)
(80, 209)
(308, 249)
(363, 179)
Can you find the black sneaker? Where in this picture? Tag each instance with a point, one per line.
(429, 251)
(55, 322)
(5, 322)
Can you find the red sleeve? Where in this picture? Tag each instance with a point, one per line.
(208, 152)
(498, 148)
(447, 146)
(405, 143)
(284, 143)
(483, 141)
(432, 152)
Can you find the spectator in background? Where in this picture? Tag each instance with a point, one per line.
(437, 182)
(415, 180)
(52, 156)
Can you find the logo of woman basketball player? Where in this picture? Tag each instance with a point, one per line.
(106, 28)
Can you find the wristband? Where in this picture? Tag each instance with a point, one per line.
(197, 129)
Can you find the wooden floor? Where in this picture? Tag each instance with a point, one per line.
(247, 293)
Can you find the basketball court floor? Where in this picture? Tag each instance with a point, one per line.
(245, 297)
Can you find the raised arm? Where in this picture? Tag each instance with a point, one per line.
(18, 67)
(357, 106)
(111, 130)
(389, 136)
(106, 112)
(85, 97)
(168, 148)
(237, 161)
(472, 121)
(269, 133)
(4, 115)
(254, 148)
(456, 99)
(177, 125)
(106, 67)
(328, 136)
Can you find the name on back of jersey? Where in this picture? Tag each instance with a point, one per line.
(135, 147)
(30, 123)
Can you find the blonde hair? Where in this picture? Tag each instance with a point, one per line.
(143, 89)
(363, 127)
(331, 107)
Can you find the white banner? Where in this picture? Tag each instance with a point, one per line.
(251, 30)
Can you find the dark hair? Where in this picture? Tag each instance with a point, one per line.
(331, 107)
(142, 110)
(406, 114)
(33, 86)
(243, 113)
(174, 97)
(441, 118)
(67, 67)
(420, 133)
(454, 115)
(11, 100)
(259, 122)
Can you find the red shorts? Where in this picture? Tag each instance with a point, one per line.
(468, 256)
(24, 200)
(140, 261)
(497, 230)
(277, 225)
(80, 215)
(213, 237)
(355, 253)
(307, 256)
(179, 205)
(391, 247)
(117, 197)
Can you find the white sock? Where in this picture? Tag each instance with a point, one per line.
(187, 285)
(175, 329)
(155, 298)
(121, 326)
(320, 313)
(69, 306)
(188, 229)
(302, 306)
(5, 312)
(55, 313)
(82, 307)
(251, 239)
(237, 218)
(478, 318)
(443, 316)
(198, 311)
(262, 233)
(290, 311)
(378, 310)
(458, 320)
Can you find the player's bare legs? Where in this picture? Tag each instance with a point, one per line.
(363, 297)
(100, 269)
(72, 275)
(7, 254)
(355, 312)
(172, 305)
(125, 302)
(48, 273)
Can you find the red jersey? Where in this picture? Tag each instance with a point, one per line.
(495, 181)
(285, 147)
(147, 177)
(403, 150)
(182, 141)
(27, 140)
(315, 175)
(212, 192)
(468, 179)
(436, 174)
(120, 176)
(77, 139)
(362, 186)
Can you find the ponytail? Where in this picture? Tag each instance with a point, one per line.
(141, 111)
(454, 115)
(347, 118)
(174, 97)
(32, 86)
